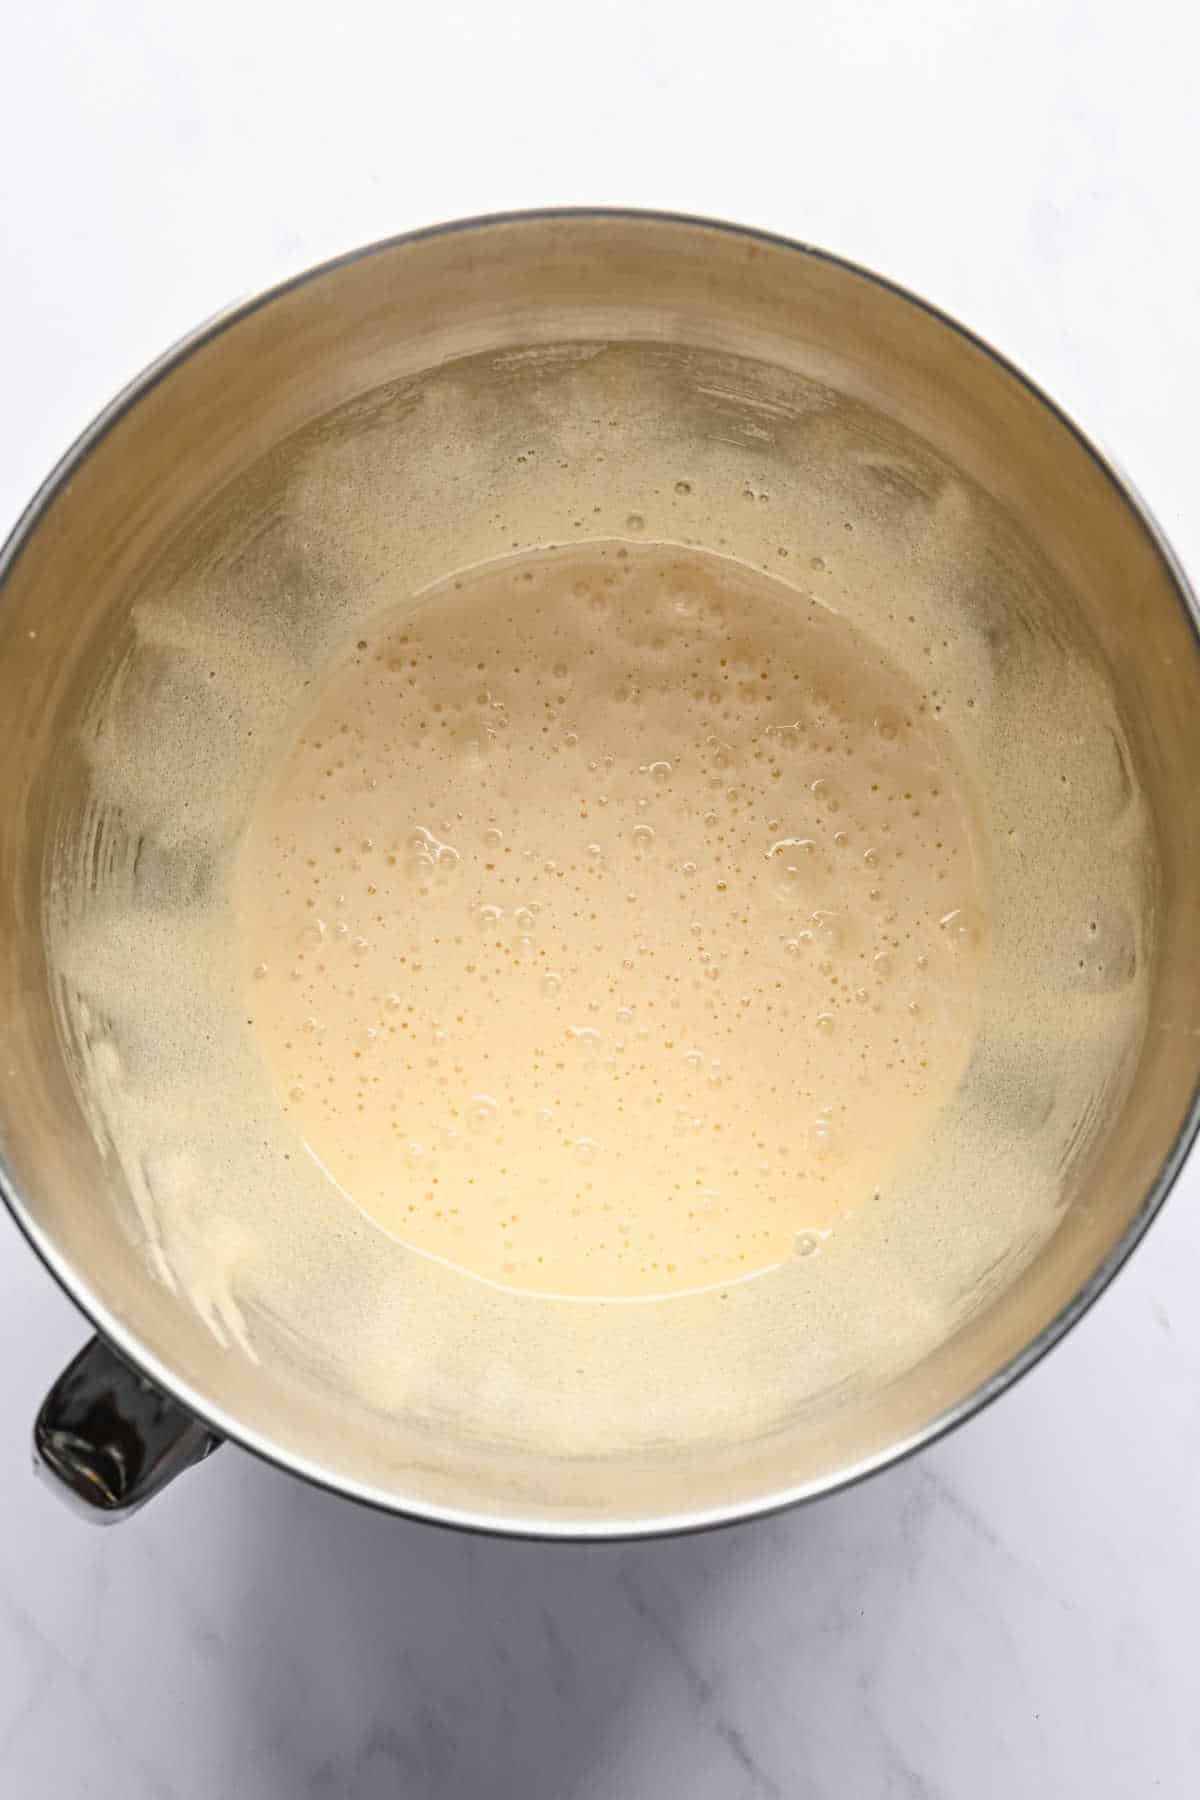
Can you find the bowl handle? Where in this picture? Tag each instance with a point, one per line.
(107, 1440)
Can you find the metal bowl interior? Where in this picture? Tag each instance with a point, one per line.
(191, 429)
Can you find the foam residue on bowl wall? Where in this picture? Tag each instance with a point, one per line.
(356, 518)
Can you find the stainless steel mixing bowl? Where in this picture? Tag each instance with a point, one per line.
(212, 408)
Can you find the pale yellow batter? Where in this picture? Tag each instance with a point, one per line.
(613, 921)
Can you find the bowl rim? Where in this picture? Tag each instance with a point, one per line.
(478, 1521)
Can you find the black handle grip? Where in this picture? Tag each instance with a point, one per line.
(108, 1440)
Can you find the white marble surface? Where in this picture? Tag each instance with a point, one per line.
(1013, 1615)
